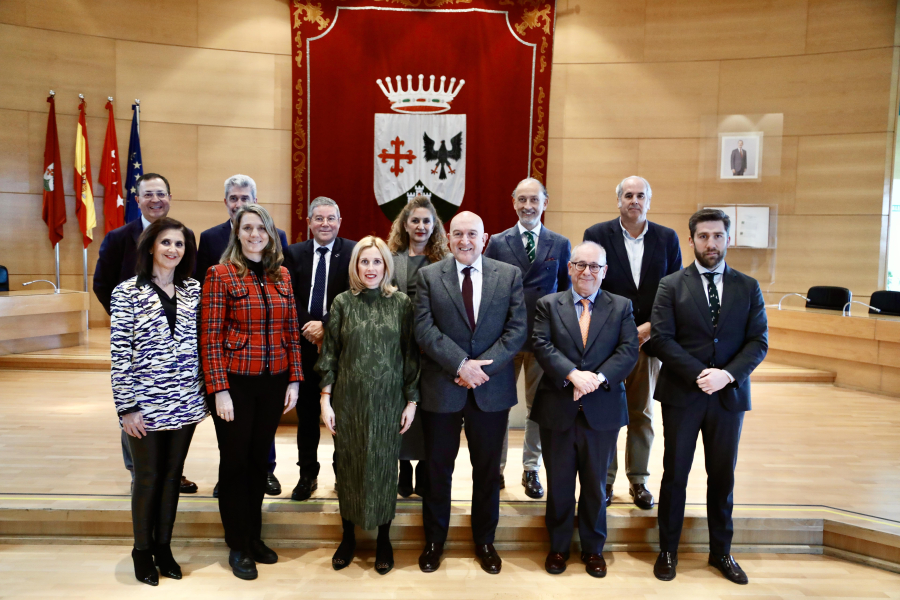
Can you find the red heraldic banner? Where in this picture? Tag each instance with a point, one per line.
(54, 210)
(394, 98)
(111, 179)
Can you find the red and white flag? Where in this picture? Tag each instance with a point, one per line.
(111, 178)
(84, 187)
(54, 213)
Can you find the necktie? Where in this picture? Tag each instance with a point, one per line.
(585, 320)
(318, 293)
(529, 245)
(467, 293)
(713, 297)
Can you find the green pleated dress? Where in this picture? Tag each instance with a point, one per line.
(370, 357)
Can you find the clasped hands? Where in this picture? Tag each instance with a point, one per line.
(470, 374)
(712, 380)
(585, 382)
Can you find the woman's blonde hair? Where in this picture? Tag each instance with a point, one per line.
(271, 254)
(356, 283)
(398, 240)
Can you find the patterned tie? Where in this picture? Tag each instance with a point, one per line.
(468, 292)
(713, 297)
(529, 245)
(318, 293)
(584, 321)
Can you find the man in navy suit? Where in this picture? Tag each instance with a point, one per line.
(639, 254)
(118, 258)
(710, 331)
(543, 257)
(240, 190)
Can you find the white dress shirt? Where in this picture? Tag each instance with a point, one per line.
(144, 222)
(476, 275)
(312, 281)
(536, 231)
(634, 248)
(719, 271)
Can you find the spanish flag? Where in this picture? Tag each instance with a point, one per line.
(84, 194)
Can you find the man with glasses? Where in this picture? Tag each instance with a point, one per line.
(117, 260)
(586, 342)
(320, 270)
(640, 254)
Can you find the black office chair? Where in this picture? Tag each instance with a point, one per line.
(887, 302)
(4, 279)
(828, 297)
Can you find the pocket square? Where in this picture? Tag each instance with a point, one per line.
(549, 258)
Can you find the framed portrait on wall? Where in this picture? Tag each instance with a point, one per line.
(740, 155)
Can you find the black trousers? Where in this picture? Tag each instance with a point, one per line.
(484, 432)
(721, 430)
(158, 463)
(308, 432)
(244, 446)
(586, 453)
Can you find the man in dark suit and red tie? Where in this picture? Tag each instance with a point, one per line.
(739, 160)
(709, 329)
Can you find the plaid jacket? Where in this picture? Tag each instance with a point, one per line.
(234, 324)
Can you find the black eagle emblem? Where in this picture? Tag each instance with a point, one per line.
(442, 155)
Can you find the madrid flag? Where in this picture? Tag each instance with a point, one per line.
(54, 213)
(110, 177)
(84, 194)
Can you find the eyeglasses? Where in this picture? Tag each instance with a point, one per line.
(151, 195)
(581, 266)
(318, 220)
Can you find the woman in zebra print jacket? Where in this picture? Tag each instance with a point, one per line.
(157, 385)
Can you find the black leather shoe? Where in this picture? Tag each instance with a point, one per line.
(608, 494)
(502, 482)
(144, 569)
(165, 562)
(273, 486)
(405, 481)
(216, 490)
(430, 559)
(304, 489)
(642, 496)
(555, 563)
(488, 558)
(187, 486)
(532, 484)
(664, 569)
(594, 564)
(262, 553)
(242, 565)
(729, 568)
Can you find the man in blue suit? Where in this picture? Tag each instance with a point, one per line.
(543, 257)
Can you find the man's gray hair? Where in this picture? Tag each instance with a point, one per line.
(240, 181)
(621, 186)
(531, 180)
(593, 245)
(324, 201)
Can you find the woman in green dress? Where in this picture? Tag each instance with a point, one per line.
(369, 366)
(417, 239)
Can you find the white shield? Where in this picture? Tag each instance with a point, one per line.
(420, 154)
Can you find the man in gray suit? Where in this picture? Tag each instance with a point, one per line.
(587, 344)
(543, 258)
(470, 323)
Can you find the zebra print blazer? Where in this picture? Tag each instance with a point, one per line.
(152, 370)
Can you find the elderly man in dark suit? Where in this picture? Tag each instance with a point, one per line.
(587, 343)
(117, 261)
(543, 258)
(320, 270)
(470, 323)
(639, 254)
(710, 331)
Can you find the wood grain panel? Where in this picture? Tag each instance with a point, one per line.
(574, 223)
(846, 92)
(658, 100)
(848, 373)
(841, 174)
(889, 354)
(723, 29)
(835, 25)
(257, 26)
(284, 108)
(97, 314)
(263, 154)
(14, 151)
(171, 150)
(193, 85)
(830, 346)
(887, 330)
(14, 328)
(599, 31)
(12, 12)
(42, 303)
(591, 169)
(820, 322)
(671, 167)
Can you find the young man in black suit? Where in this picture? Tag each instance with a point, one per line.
(320, 270)
(709, 329)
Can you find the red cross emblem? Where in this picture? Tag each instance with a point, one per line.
(397, 157)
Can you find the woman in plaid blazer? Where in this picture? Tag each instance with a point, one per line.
(251, 359)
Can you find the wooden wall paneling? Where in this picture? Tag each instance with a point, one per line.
(845, 92)
(284, 107)
(170, 149)
(557, 104)
(599, 31)
(14, 151)
(830, 346)
(258, 26)
(887, 330)
(723, 29)
(890, 381)
(671, 167)
(555, 172)
(574, 223)
(14, 328)
(12, 12)
(591, 170)
(197, 86)
(889, 354)
(263, 154)
(839, 25)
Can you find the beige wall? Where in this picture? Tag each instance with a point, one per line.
(639, 87)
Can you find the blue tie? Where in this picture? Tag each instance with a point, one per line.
(318, 293)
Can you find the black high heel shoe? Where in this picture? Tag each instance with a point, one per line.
(166, 562)
(384, 557)
(144, 570)
(344, 554)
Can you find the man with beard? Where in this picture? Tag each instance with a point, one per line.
(709, 329)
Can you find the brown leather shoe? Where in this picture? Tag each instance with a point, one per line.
(641, 495)
(488, 558)
(608, 494)
(555, 563)
(594, 564)
(729, 568)
(187, 486)
(430, 559)
(664, 569)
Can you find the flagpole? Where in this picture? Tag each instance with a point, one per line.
(84, 250)
(137, 102)
(56, 245)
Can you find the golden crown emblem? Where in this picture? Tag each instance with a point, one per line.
(421, 100)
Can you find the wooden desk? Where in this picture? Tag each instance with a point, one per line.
(41, 320)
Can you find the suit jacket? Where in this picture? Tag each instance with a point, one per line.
(212, 245)
(662, 256)
(548, 273)
(612, 349)
(738, 160)
(445, 337)
(683, 337)
(153, 369)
